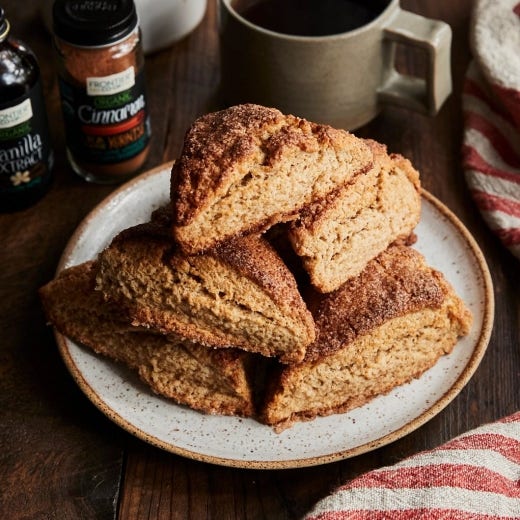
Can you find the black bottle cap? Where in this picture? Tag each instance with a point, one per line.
(92, 24)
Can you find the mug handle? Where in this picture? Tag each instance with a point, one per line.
(423, 95)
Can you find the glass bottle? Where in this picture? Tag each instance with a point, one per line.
(26, 156)
(100, 66)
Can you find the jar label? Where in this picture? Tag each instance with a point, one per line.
(112, 84)
(25, 153)
(105, 129)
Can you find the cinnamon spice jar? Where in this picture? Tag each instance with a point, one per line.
(101, 75)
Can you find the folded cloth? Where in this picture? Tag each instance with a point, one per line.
(491, 106)
(474, 476)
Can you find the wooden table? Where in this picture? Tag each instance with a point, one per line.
(61, 458)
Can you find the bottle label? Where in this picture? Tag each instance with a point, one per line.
(15, 115)
(25, 153)
(108, 128)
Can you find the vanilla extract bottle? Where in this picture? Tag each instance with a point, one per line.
(26, 156)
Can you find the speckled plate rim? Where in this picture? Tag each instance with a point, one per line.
(436, 407)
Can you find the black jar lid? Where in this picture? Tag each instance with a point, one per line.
(93, 23)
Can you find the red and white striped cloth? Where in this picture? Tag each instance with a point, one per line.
(491, 106)
(475, 476)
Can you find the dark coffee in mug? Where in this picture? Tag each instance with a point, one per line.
(310, 17)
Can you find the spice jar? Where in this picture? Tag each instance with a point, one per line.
(101, 77)
(25, 152)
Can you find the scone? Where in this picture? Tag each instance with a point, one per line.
(212, 381)
(379, 330)
(248, 167)
(336, 240)
(240, 294)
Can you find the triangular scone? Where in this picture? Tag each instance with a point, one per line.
(212, 381)
(379, 330)
(336, 240)
(240, 294)
(248, 167)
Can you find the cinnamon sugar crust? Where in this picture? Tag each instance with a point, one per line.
(238, 295)
(249, 167)
(253, 257)
(395, 283)
(214, 143)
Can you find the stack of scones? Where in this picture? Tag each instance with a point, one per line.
(279, 282)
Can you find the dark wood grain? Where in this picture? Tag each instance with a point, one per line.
(61, 458)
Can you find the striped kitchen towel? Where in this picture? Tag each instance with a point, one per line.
(475, 476)
(491, 106)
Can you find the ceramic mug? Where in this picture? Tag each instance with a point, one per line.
(164, 22)
(341, 79)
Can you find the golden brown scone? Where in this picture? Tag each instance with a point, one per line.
(248, 167)
(336, 240)
(212, 381)
(240, 294)
(379, 330)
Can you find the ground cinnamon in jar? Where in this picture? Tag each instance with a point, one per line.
(100, 67)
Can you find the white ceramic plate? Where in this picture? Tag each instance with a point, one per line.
(231, 441)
